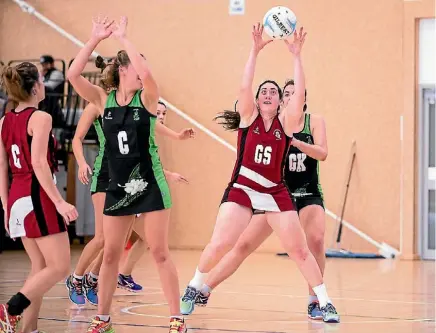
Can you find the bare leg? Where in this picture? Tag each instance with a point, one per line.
(93, 248)
(156, 231)
(30, 316)
(231, 222)
(115, 230)
(313, 221)
(256, 233)
(137, 250)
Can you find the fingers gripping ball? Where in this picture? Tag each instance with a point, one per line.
(279, 22)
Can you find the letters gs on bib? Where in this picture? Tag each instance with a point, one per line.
(279, 22)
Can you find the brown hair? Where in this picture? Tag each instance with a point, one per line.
(291, 82)
(18, 81)
(111, 78)
(229, 119)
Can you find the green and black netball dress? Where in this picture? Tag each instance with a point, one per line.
(302, 172)
(100, 173)
(137, 183)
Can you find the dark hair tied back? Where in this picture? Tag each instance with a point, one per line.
(229, 119)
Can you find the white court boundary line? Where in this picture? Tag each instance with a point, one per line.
(384, 249)
(127, 310)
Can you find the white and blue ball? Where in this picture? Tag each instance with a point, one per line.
(279, 22)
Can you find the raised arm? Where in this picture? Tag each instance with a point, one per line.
(4, 178)
(294, 110)
(40, 127)
(246, 105)
(92, 93)
(150, 93)
(88, 116)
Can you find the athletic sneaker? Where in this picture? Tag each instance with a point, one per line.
(187, 302)
(329, 314)
(126, 282)
(75, 290)
(178, 326)
(313, 311)
(100, 326)
(8, 323)
(90, 289)
(202, 299)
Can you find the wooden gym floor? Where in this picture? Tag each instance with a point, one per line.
(266, 295)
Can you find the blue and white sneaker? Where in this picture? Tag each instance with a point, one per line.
(126, 282)
(314, 312)
(75, 290)
(90, 289)
(187, 301)
(329, 314)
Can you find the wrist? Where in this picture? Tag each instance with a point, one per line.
(58, 201)
(93, 41)
(122, 39)
(81, 163)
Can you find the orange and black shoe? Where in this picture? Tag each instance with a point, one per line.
(178, 325)
(8, 323)
(100, 326)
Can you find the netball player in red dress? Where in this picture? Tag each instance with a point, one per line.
(257, 183)
(34, 209)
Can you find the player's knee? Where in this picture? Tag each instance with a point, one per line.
(159, 254)
(315, 241)
(221, 246)
(62, 269)
(298, 253)
(99, 242)
(112, 254)
(38, 265)
(243, 249)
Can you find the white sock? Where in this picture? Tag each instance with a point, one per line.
(198, 279)
(321, 293)
(312, 299)
(77, 277)
(104, 317)
(95, 277)
(206, 290)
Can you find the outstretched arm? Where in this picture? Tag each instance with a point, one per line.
(187, 133)
(294, 110)
(150, 93)
(87, 90)
(246, 98)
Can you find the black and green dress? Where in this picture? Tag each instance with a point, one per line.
(137, 183)
(302, 172)
(100, 173)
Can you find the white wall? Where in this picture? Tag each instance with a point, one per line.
(427, 51)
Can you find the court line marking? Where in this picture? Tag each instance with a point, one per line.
(127, 310)
(276, 295)
(116, 295)
(335, 298)
(212, 329)
(269, 294)
(161, 326)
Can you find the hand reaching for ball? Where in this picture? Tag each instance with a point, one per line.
(298, 42)
(258, 41)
